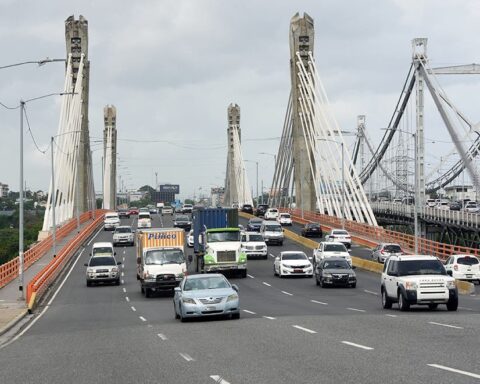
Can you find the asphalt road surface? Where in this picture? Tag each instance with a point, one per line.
(290, 331)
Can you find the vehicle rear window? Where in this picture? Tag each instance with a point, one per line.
(467, 260)
(393, 248)
(96, 261)
(182, 218)
(123, 230)
(98, 250)
(285, 215)
(294, 256)
(313, 225)
(335, 248)
(256, 221)
(273, 228)
(420, 267)
(343, 233)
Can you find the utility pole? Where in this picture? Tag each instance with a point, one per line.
(156, 181)
(343, 186)
(54, 192)
(20, 215)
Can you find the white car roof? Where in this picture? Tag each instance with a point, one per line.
(331, 242)
(102, 244)
(291, 252)
(270, 222)
(111, 214)
(413, 257)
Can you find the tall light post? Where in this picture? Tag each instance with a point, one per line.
(256, 162)
(269, 154)
(416, 187)
(343, 176)
(21, 192)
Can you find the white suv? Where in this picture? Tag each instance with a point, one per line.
(328, 249)
(111, 221)
(271, 214)
(419, 280)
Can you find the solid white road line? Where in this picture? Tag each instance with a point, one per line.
(287, 293)
(264, 283)
(390, 315)
(356, 310)
(271, 255)
(219, 379)
(371, 292)
(250, 276)
(186, 356)
(142, 318)
(303, 329)
(124, 290)
(470, 374)
(444, 325)
(318, 302)
(250, 312)
(127, 298)
(162, 336)
(357, 345)
(96, 234)
(134, 309)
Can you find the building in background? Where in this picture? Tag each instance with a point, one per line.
(4, 190)
(217, 196)
(166, 193)
(460, 192)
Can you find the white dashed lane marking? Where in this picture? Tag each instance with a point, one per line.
(162, 336)
(356, 310)
(269, 317)
(124, 290)
(250, 312)
(371, 292)
(186, 356)
(304, 329)
(219, 379)
(250, 276)
(264, 283)
(142, 318)
(357, 345)
(390, 315)
(134, 309)
(287, 293)
(454, 370)
(318, 302)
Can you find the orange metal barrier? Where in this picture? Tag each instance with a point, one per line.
(380, 234)
(9, 270)
(39, 284)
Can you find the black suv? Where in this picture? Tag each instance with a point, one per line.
(312, 230)
(247, 208)
(261, 209)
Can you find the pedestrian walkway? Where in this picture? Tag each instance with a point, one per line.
(12, 307)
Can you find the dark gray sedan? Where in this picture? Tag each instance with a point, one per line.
(335, 271)
(209, 294)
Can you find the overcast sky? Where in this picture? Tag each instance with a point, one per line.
(171, 68)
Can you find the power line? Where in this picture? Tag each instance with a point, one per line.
(31, 133)
(7, 107)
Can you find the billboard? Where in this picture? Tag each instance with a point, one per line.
(172, 188)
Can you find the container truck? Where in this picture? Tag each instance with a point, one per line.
(161, 263)
(220, 247)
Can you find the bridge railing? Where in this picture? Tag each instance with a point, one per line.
(9, 270)
(40, 283)
(381, 235)
(461, 218)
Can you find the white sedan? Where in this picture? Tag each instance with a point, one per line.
(292, 263)
(463, 267)
(340, 236)
(284, 219)
(328, 249)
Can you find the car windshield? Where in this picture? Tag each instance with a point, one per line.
(273, 228)
(256, 222)
(420, 267)
(164, 256)
(335, 248)
(123, 230)
(215, 237)
(467, 260)
(342, 233)
(337, 264)
(195, 284)
(99, 250)
(255, 238)
(294, 256)
(392, 248)
(100, 260)
(313, 226)
(182, 218)
(144, 216)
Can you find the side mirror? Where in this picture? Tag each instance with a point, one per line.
(177, 289)
(310, 258)
(114, 253)
(235, 287)
(139, 260)
(119, 262)
(354, 267)
(90, 253)
(277, 258)
(133, 231)
(349, 250)
(86, 264)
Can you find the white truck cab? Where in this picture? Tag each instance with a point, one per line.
(416, 279)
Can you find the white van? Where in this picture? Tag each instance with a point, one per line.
(272, 232)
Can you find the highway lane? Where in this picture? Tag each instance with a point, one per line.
(95, 331)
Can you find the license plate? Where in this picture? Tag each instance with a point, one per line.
(468, 276)
(298, 270)
(211, 308)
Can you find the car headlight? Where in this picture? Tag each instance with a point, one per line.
(411, 285)
(351, 275)
(232, 297)
(327, 275)
(187, 300)
(114, 270)
(451, 284)
(179, 275)
(285, 266)
(147, 275)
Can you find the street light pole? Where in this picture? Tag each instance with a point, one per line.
(54, 192)
(20, 215)
(415, 205)
(343, 186)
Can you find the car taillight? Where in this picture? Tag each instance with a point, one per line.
(455, 267)
(382, 252)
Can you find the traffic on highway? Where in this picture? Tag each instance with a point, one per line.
(297, 307)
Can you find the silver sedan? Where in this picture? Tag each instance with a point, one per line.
(209, 294)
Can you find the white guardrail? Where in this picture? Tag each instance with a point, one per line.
(463, 218)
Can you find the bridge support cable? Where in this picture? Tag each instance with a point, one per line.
(67, 144)
(465, 156)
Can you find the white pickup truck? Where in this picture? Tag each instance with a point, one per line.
(412, 279)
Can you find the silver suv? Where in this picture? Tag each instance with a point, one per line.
(413, 279)
(102, 269)
(123, 235)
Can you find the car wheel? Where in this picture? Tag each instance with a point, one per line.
(274, 271)
(386, 302)
(148, 292)
(236, 316)
(378, 259)
(432, 306)
(281, 243)
(452, 304)
(280, 272)
(403, 305)
(321, 283)
(243, 274)
(117, 282)
(316, 281)
(89, 284)
(354, 285)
